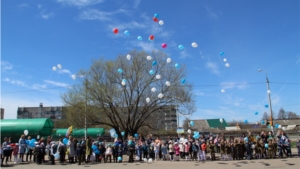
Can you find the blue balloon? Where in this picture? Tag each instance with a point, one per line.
(246, 121)
(180, 47)
(123, 133)
(156, 15)
(177, 65)
(27, 142)
(196, 136)
(154, 63)
(221, 53)
(127, 33)
(65, 141)
(262, 122)
(183, 81)
(120, 70)
(276, 125)
(31, 143)
(124, 80)
(139, 38)
(266, 145)
(151, 72)
(119, 158)
(266, 106)
(192, 123)
(246, 139)
(116, 136)
(136, 135)
(256, 113)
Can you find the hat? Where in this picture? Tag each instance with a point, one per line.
(176, 143)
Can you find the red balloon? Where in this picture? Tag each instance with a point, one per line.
(164, 45)
(155, 19)
(151, 37)
(115, 30)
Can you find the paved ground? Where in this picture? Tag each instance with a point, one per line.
(290, 163)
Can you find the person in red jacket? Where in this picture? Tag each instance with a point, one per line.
(203, 149)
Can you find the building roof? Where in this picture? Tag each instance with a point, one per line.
(209, 123)
(287, 122)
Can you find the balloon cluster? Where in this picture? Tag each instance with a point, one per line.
(196, 135)
(59, 66)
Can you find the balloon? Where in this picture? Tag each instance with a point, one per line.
(120, 70)
(183, 81)
(263, 122)
(119, 158)
(283, 128)
(160, 95)
(126, 33)
(73, 77)
(164, 45)
(189, 131)
(225, 60)
(279, 126)
(276, 125)
(123, 83)
(169, 60)
(180, 47)
(155, 19)
(269, 91)
(223, 91)
(149, 57)
(54, 68)
(137, 158)
(26, 132)
(115, 30)
(266, 145)
(154, 63)
(150, 160)
(156, 15)
(116, 136)
(194, 45)
(56, 156)
(158, 77)
(59, 66)
(196, 136)
(177, 65)
(122, 133)
(139, 38)
(221, 120)
(151, 37)
(227, 64)
(266, 106)
(256, 113)
(136, 135)
(65, 141)
(151, 72)
(128, 57)
(147, 99)
(246, 121)
(145, 160)
(112, 132)
(153, 89)
(192, 123)
(253, 146)
(31, 142)
(221, 53)
(168, 83)
(246, 139)
(161, 22)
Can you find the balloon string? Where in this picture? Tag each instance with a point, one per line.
(200, 53)
(50, 75)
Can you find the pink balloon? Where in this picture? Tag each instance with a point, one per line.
(164, 45)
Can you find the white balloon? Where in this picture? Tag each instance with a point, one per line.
(283, 128)
(158, 77)
(59, 66)
(269, 91)
(153, 89)
(26, 132)
(161, 22)
(279, 126)
(73, 77)
(54, 68)
(123, 83)
(194, 45)
(160, 95)
(223, 91)
(227, 64)
(168, 83)
(128, 57)
(147, 99)
(149, 58)
(189, 131)
(145, 160)
(137, 158)
(253, 146)
(150, 160)
(169, 60)
(221, 120)
(225, 60)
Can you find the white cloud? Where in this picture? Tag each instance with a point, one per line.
(146, 46)
(94, 14)
(184, 54)
(211, 14)
(39, 6)
(59, 84)
(232, 85)
(64, 71)
(47, 15)
(39, 86)
(15, 82)
(136, 3)
(6, 66)
(23, 5)
(80, 3)
(213, 67)
(198, 93)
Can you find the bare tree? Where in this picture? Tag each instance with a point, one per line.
(120, 94)
(265, 116)
(292, 115)
(281, 114)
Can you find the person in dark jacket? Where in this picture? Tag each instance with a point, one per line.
(79, 153)
(120, 153)
(53, 151)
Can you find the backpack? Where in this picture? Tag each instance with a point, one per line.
(194, 148)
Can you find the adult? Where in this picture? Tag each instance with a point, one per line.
(12, 144)
(6, 150)
(131, 149)
(88, 149)
(29, 150)
(71, 150)
(43, 147)
(217, 142)
(191, 140)
(61, 150)
(22, 147)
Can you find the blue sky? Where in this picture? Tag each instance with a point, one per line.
(253, 34)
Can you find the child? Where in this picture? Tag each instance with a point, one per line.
(195, 149)
(164, 151)
(262, 149)
(186, 150)
(248, 149)
(298, 146)
(144, 150)
(53, 150)
(15, 153)
(203, 148)
(108, 153)
(211, 146)
(275, 146)
(96, 151)
(120, 153)
(222, 147)
(79, 153)
(232, 151)
(271, 149)
(156, 150)
(177, 151)
(102, 150)
(228, 151)
(115, 153)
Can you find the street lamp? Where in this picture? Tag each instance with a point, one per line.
(269, 96)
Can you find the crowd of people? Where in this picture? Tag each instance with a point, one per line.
(248, 146)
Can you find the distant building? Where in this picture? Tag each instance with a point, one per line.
(2, 113)
(54, 113)
(166, 118)
(206, 124)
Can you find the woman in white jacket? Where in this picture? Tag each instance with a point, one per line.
(71, 150)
